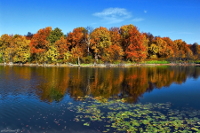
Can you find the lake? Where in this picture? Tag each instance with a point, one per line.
(80, 100)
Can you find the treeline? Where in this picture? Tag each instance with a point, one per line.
(85, 45)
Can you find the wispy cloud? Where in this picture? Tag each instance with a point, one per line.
(138, 19)
(113, 15)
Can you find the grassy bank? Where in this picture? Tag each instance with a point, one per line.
(156, 62)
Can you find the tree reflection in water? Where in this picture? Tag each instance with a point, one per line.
(53, 83)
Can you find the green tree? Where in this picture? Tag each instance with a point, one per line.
(55, 35)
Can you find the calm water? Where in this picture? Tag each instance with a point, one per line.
(37, 99)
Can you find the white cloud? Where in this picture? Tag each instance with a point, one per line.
(113, 15)
(137, 19)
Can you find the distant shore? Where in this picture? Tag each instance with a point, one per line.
(98, 65)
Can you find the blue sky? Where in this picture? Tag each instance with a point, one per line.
(177, 19)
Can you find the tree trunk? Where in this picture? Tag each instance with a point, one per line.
(88, 49)
(78, 61)
(96, 58)
(88, 46)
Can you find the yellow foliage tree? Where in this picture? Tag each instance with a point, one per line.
(22, 49)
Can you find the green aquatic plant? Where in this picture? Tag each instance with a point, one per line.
(119, 116)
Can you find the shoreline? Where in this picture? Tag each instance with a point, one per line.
(98, 65)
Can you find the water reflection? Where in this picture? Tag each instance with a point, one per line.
(52, 84)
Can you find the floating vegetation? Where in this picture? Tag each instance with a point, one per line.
(118, 116)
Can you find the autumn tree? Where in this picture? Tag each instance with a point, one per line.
(133, 43)
(39, 44)
(184, 52)
(153, 51)
(113, 53)
(172, 47)
(52, 53)
(76, 38)
(115, 36)
(100, 41)
(150, 37)
(152, 48)
(124, 33)
(63, 51)
(6, 48)
(22, 49)
(162, 47)
(87, 45)
(75, 41)
(77, 53)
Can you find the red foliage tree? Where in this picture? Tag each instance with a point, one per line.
(135, 50)
(76, 38)
(39, 44)
(39, 41)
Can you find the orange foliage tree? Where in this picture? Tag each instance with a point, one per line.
(76, 43)
(135, 49)
(184, 52)
(39, 44)
(113, 53)
(87, 45)
(62, 48)
(124, 33)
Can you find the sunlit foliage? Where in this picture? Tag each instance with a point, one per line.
(118, 44)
